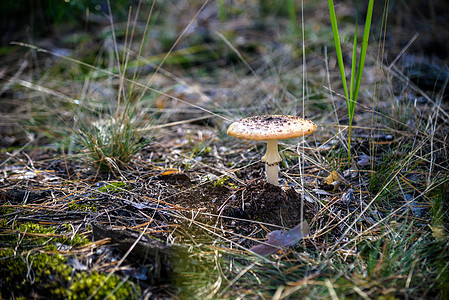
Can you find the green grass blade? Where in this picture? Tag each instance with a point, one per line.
(333, 18)
(292, 16)
(363, 50)
(221, 10)
(353, 69)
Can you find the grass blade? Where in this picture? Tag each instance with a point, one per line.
(364, 48)
(353, 68)
(356, 69)
(341, 66)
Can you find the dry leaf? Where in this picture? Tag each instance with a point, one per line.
(364, 160)
(279, 238)
(332, 181)
(24, 174)
(170, 171)
(438, 232)
(348, 197)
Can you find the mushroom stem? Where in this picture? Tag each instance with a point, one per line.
(272, 160)
(272, 173)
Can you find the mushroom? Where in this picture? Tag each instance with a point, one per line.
(271, 128)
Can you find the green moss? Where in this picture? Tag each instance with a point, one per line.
(34, 228)
(12, 237)
(6, 210)
(3, 222)
(113, 187)
(224, 181)
(49, 276)
(99, 286)
(45, 234)
(83, 207)
(199, 149)
(77, 239)
(232, 185)
(220, 181)
(44, 274)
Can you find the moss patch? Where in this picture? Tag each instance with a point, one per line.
(37, 234)
(112, 187)
(38, 274)
(33, 273)
(100, 286)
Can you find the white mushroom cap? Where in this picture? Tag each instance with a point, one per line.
(271, 127)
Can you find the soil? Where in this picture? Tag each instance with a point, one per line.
(259, 201)
(240, 210)
(263, 202)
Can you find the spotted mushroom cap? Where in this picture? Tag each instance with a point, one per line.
(271, 127)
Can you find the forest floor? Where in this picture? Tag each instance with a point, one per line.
(118, 180)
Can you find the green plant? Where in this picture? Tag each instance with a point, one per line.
(23, 273)
(32, 234)
(221, 10)
(113, 137)
(292, 17)
(113, 187)
(111, 143)
(100, 286)
(221, 181)
(72, 206)
(356, 75)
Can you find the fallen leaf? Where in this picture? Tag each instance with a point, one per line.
(170, 171)
(332, 181)
(347, 197)
(364, 160)
(438, 232)
(24, 174)
(279, 238)
(321, 192)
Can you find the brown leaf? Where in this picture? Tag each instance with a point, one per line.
(332, 181)
(278, 238)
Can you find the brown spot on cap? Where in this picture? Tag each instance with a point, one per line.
(271, 127)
